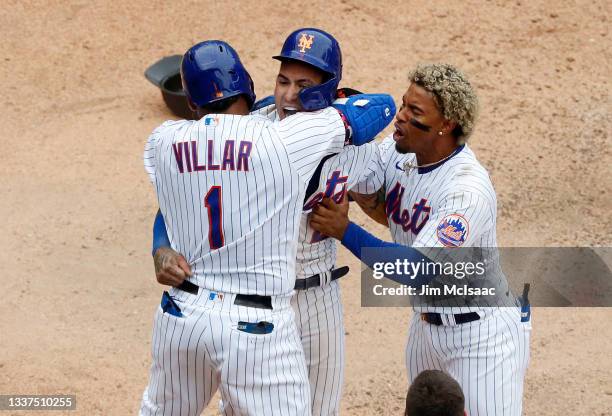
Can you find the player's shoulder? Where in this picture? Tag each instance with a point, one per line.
(212, 120)
(466, 167)
(317, 118)
(466, 174)
(262, 119)
(314, 127)
(171, 125)
(168, 131)
(353, 154)
(387, 144)
(240, 124)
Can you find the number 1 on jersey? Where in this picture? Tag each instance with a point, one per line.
(212, 202)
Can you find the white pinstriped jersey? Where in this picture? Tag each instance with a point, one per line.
(316, 253)
(231, 188)
(451, 205)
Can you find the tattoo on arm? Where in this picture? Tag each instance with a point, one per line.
(376, 200)
(373, 205)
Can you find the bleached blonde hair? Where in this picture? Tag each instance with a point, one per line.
(453, 94)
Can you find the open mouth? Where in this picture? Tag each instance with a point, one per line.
(397, 134)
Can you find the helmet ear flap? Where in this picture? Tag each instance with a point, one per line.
(248, 89)
(319, 96)
(252, 95)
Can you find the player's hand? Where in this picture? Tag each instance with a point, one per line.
(171, 268)
(330, 218)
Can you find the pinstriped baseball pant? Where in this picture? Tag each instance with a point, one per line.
(203, 351)
(318, 314)
(488, 358)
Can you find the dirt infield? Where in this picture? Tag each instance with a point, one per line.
(78, 208)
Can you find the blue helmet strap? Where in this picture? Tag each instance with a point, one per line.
(319, 96)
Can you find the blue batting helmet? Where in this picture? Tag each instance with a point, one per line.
(321, 50)
(211, 71)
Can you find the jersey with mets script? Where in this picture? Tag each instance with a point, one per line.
(231, 189)
(446, 206)
(316, 253)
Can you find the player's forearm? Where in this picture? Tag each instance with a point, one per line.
(160, 235)
(377, 214)
(372, 205)
(355, 238)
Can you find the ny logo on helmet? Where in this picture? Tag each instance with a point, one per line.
(305, 42)
(218, 93)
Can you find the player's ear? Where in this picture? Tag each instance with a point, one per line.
(448, 126)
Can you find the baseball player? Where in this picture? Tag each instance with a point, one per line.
(309, 74)
(230, 187)
(438, 195)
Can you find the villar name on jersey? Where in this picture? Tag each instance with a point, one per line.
(189, 159)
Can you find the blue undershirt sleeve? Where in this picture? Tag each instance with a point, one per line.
(355, 238)
(160, 235)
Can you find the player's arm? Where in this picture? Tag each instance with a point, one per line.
(171, 268)
(150, 155)
(366, 161)
(373, 205)
(309, 137)
(160, 235)
(332, 220)
(151, 146)
(266, 107)
(369, 192)
(458, 219)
